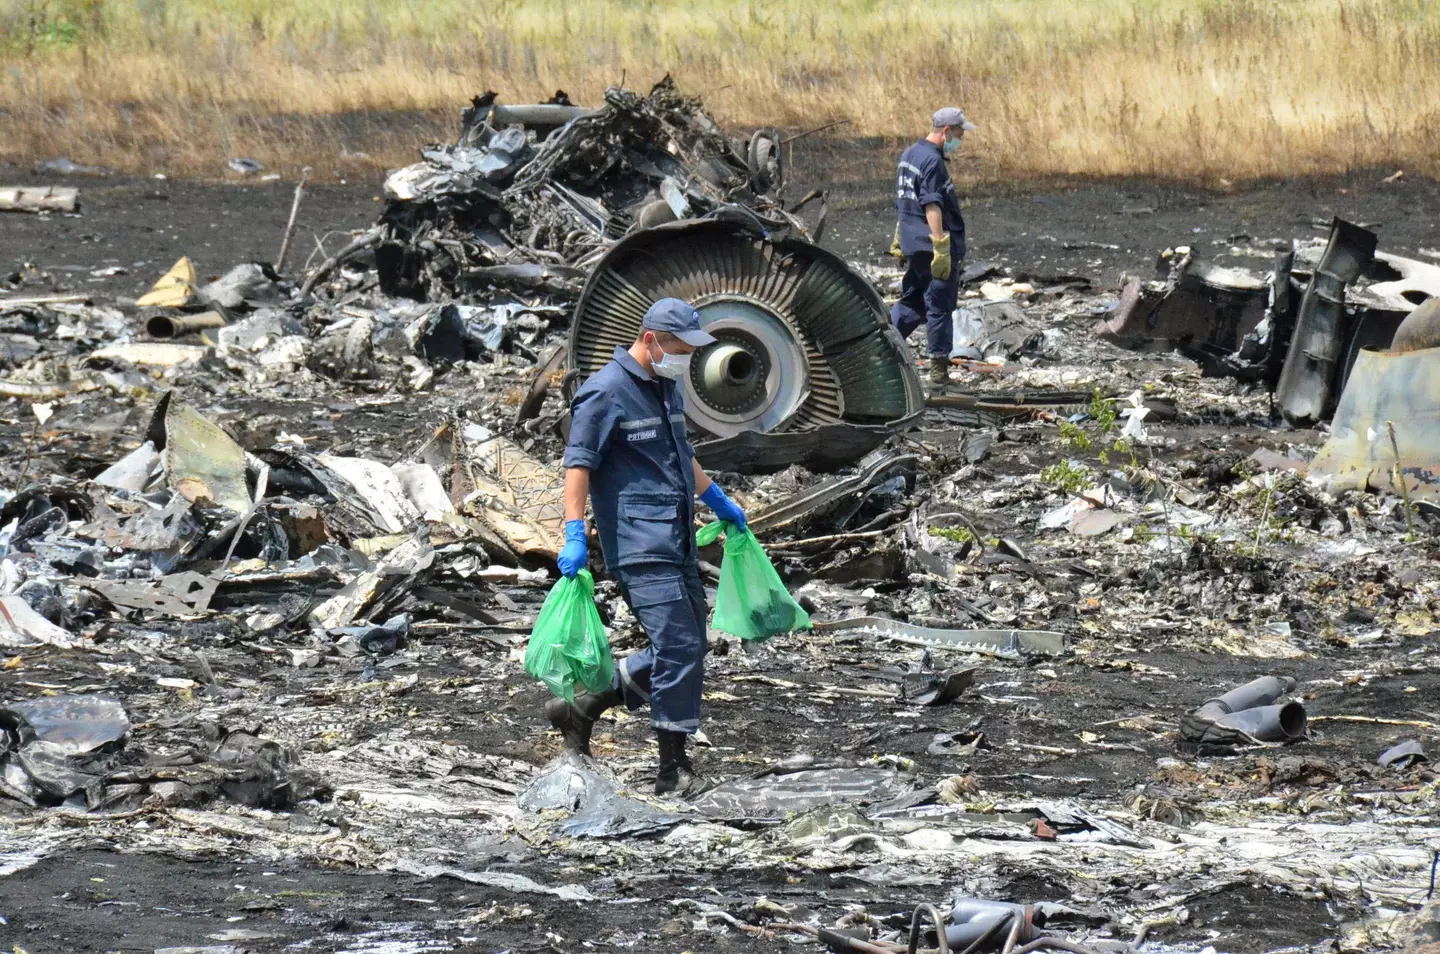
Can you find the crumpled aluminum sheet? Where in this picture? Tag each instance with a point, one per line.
(777, 795)
(600, 809)
(74, 724)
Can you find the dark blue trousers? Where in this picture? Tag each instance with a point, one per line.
(924, 298)
(667, 675)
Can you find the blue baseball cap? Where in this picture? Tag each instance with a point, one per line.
(680, 319)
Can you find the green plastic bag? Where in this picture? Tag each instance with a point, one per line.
(568, 644)
(752, 602)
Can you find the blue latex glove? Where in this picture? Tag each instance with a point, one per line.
(724, 507)
(575, 553)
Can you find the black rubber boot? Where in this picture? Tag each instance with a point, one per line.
(677, 775)
(577, 721)
(939, 371)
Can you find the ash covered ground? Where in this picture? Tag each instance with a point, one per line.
(385, 815)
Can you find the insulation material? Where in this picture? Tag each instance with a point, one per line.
(1399, 388)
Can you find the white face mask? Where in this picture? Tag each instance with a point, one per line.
(672, 366)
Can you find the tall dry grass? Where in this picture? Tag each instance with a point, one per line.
(1201, 89)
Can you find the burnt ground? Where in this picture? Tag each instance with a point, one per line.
(101, 901)
(97, 900)
(1097, 725)
(145, 224)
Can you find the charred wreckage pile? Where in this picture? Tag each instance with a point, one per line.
(270, 547)
(1328, 314)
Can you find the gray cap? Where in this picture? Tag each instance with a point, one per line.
(680, 319)
(951, 116)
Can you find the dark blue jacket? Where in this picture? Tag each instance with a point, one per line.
(627, 428)
(923, 180)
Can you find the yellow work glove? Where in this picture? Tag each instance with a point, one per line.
(895, 243)
(940, 264)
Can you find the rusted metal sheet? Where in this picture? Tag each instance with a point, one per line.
(1420, 329)
(1399, 387)
(1199, 302)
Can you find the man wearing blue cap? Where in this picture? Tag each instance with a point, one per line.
(629, 453)
(931, 236)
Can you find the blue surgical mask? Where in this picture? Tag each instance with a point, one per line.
(951, 147)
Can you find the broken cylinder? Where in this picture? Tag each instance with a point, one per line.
(804, 346)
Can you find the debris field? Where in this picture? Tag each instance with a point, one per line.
(1128, 639)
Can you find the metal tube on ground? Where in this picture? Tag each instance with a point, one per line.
(1268, 723)
(992, 933)
(974, 922)
(1013, 937)
(941, 940)
(1258, 692)
(173, 326)
(844, 942)
(837, 941)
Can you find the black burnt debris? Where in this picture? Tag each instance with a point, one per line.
(529, 196)
(1107, 653)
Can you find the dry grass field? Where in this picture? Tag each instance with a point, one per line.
(1205, 90)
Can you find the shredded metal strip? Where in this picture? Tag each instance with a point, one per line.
(993, 642)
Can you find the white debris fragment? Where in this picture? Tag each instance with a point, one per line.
(22, 627)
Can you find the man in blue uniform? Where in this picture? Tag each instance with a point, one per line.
(931, 238)
(628, 451)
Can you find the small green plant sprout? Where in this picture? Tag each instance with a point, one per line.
(953, 534)
(1102, 411)
(1075, 438)
(1068, 476)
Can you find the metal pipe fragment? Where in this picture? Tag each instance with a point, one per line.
(1267, 723)
(1257, 692)
(1253, 710)
(1013, 936)
(837, 941)
(538, 114)
(173, 326)
(941, 939)
(974, 922)
(843, 942)
(1053, 943)
(25, 300)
